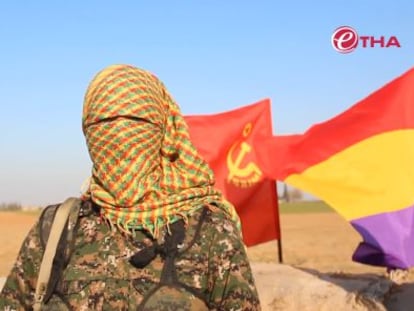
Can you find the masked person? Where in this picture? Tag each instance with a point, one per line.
(152, 232)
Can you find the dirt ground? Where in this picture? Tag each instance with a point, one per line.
(322, 242)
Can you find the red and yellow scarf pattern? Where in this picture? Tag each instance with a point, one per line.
(146, 172)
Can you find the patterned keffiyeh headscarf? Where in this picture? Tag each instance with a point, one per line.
(146, 172)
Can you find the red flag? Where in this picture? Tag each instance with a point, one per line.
(226, 141)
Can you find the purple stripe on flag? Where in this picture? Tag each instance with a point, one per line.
(388, 239)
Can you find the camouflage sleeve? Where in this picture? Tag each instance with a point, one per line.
(231, 281)
(18, 291)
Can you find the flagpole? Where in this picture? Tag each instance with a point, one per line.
(277, 222)
(279, 248)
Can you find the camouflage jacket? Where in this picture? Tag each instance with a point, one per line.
(208, 271)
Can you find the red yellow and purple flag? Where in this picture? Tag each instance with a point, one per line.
(361, 163)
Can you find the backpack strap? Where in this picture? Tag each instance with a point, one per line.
(169, 251)
(59, 223)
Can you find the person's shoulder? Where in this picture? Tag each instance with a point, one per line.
(48, 216)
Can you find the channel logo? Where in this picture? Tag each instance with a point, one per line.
(345, 39)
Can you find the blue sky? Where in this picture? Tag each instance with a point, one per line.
(212, 55)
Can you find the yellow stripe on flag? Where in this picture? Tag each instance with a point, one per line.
(371, 177)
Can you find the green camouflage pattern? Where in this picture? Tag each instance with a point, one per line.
(99, 276)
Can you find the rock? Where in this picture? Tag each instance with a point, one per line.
(282, 287)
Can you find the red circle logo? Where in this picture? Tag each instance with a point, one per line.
(344, 39)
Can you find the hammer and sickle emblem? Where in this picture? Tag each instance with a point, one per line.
(247, 175)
